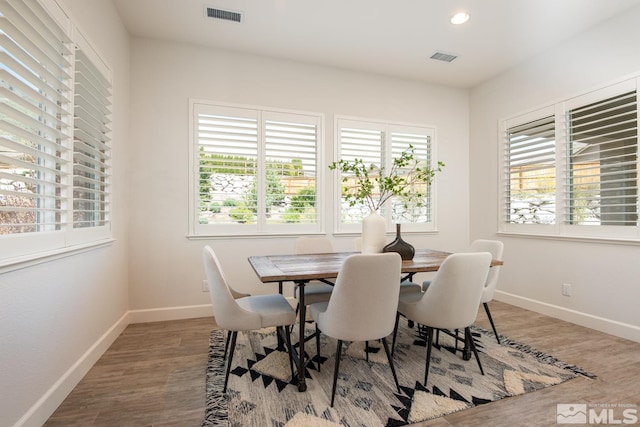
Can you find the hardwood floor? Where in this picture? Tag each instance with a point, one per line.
(154, 373)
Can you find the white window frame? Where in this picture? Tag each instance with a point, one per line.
(561, 228)
(17, 249)
(387, 127)
(261, 227)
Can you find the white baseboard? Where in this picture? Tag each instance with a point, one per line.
(613, 327)
(170, 313)
(38, 414)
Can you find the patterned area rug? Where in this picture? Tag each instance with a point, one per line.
(259, 393)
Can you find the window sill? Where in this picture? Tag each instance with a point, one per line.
(18, 263)
(584, 239)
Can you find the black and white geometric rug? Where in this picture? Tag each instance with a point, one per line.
(259, 393)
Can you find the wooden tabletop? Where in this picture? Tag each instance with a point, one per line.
(281, 268)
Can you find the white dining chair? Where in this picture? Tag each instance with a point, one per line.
(496, 249)
(236, 295)
(314, 291)
(450, 302)
(362, 306)
(406, 286)
(246, 313)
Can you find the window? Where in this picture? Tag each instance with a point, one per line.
(255, 170)
(54, 134)
(379, 143)
(530, 159)
(91, 145)
(572, 169)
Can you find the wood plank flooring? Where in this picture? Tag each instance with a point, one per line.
(154, 374)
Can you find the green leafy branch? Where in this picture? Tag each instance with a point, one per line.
(405, 180)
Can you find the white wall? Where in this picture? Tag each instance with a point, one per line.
(57, 317)
(604, 276)
(166, 268)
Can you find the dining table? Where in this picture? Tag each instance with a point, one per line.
(303, 268)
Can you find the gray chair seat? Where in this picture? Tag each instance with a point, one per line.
(274, 310)
(315, 292)
(408, 287)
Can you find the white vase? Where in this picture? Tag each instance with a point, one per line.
(374, 233)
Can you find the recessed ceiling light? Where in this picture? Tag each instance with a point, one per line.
(460, 18)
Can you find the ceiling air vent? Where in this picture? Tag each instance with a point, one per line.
(225, 15)
(441, 56)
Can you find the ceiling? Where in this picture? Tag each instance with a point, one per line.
(393, 38)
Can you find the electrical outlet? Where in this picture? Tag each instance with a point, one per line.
(566, 289)
(205, 286)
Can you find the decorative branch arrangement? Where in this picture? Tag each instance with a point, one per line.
(406, 180)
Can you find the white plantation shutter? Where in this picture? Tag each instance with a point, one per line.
(420, 140)
(35, 114)
(255, 171)
(228, 156)
(378, 144)
(571, 169)
(530, 160)
(91, 145)
(291, 155)
(602, 179)
(365, 141)
(361, 143)
(53, 163)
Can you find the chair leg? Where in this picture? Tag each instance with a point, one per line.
(390, 359)
(473, 348)
(318, 346)
(234, 335)
(366, 350)
(226, 345)
(395, 332)
(486, 308)
(335, 371)
(429, 345)
(287, 335)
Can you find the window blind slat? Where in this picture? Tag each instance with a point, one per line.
(92, 111)
(51, 63)
(602, 176)
(90, 76)
(26, 109)
(38, 128)
(21, 150)
(91, 142)
(27, 91)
